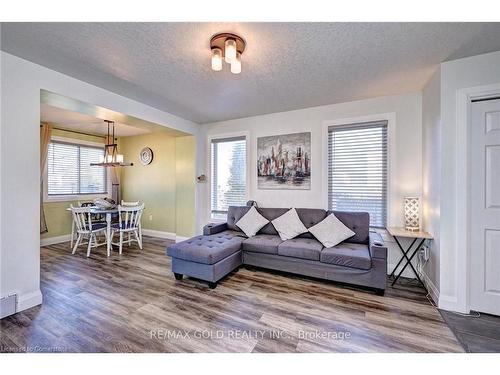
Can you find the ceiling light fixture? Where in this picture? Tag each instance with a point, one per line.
(111, 156)
(227, 47)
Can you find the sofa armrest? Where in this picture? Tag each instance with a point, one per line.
(377, 246)
(214, 228)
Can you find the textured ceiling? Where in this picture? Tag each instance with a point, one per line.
(79, 122)
(285, 66)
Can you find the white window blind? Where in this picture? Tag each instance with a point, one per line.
(69, 171)
(228, 174)
(357, 169)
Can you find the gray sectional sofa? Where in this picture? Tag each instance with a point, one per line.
(360, 260)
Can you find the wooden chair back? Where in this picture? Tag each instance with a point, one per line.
(130, 216)
(82, 218)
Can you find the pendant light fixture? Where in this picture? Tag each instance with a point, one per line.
(229, 48)
(111, 156)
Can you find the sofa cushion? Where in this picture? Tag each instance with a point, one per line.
(289, 225)
(348, 255)
(304, 248)
(251, 222)
(271, 214)
(206, 249)
(310, 217)
(331, 231)
(234, 214)
(358, 222)
(262, 243)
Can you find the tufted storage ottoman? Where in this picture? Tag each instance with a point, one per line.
(209, 258)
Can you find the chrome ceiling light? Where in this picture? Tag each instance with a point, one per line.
(229, 48)
(111, 156)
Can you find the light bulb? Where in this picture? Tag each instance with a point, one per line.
(119, 158)
(216, 59)
(230, 50)
(236, 64)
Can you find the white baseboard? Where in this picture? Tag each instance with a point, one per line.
(180, 238)
(145, 232)
(158, 234)
(450, 303)
(28, 300)
(55, 240)
(431, 288)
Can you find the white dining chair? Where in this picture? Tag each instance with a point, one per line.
(129, 222)
(133, 204)
(82, 220)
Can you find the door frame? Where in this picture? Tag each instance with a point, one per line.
(462, 199)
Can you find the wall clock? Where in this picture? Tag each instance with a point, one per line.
(146, 156)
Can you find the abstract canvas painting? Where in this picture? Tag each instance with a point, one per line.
(284, 161)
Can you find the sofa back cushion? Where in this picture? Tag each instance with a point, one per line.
(310, 217)
(358, 222)
(271, 214)
(234, 214)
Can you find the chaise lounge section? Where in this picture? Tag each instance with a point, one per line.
(361, 260)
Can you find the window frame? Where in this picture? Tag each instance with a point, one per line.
(391, 162)
(210, 138)
(74, 197)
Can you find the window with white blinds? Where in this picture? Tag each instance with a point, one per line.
(357, 169)
(228, 174)
(69, 171)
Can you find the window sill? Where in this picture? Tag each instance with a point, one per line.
(73, 198)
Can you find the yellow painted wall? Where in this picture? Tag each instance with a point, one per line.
(185, 154)
(57, 218)
(153, 184)
(166, 186)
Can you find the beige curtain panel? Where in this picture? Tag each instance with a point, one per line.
(45, 134)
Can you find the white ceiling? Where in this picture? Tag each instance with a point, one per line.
(79, 122)
(285, 66)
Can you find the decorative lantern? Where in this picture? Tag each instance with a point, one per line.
(411, 207)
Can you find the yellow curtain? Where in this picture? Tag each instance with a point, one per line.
(45, 133)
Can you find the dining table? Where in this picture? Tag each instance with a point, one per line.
(99, 211)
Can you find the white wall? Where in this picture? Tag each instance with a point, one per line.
(21, 82)
(431, 175)
(406, 158)
(456, 75)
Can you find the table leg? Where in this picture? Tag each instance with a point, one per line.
(72, 231)
(408, 262)
(108, 234)
(405, 254)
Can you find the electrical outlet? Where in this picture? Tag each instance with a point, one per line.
(425, 252)
(150, 217)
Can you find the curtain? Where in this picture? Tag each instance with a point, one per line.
(45, 133)
(115, 179)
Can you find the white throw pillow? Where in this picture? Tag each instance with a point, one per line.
(331, 231)
(289, 225)
(251, 222)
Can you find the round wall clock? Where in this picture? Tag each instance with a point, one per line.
(146, 156)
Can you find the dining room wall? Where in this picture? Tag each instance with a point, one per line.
(152, 184)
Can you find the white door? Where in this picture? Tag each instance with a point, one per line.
(485, 207)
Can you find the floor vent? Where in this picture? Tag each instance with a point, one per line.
(8, 305)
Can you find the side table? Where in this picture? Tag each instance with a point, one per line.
(408, 255)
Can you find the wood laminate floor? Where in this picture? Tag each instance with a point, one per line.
(132, 303)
